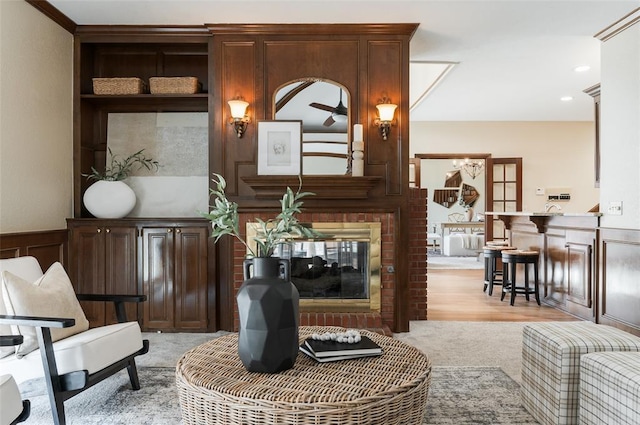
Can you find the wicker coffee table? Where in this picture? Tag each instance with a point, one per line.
(215, 388)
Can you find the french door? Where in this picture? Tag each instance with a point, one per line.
(506, 191)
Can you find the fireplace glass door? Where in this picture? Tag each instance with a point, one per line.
(329, 269)
(339, 271)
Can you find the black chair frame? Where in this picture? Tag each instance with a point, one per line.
(63, 387)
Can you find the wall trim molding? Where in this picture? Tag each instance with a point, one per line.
(54, 14)
(620, 25)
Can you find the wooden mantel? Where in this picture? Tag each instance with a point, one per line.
(324, 187)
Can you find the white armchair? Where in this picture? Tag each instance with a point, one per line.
(57, 342)
(12, 408)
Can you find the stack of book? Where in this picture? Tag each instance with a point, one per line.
(331, 351)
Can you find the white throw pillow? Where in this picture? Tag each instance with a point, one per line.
(50, 296)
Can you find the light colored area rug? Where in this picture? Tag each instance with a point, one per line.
(469, 383)
(457, 396)
(112, 402)
(494, 344)
(474, 395)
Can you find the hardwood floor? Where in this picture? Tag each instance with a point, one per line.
(456, 295)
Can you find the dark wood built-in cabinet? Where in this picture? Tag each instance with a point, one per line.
(163, 259)
(174, 277)
(103, 261)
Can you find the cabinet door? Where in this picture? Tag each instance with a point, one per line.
(87, 268)
(120, 268)
(157, 278)
(191, 278)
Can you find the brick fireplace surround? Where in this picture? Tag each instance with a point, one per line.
(415, 249)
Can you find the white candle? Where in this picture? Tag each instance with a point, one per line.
(357, 132)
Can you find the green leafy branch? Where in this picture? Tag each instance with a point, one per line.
(284, 227)
(119, 169)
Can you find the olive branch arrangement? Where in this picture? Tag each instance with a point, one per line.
(284, 227)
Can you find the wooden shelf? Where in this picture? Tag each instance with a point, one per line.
(324, 186)
(155, 102)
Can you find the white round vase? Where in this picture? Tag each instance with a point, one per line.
(109, 199)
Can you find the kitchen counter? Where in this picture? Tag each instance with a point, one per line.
(567, 243)
(542, 219)
(545, 214)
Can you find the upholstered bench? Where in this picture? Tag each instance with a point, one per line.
(551, 354)
(610, 389)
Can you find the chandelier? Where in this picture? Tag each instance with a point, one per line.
(472, 167)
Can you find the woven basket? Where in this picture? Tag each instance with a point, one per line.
(174, 85)
(128, 85)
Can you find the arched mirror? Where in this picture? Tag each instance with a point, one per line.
(323, 106)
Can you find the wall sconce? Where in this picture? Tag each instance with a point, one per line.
(239, 118)
(385, 119)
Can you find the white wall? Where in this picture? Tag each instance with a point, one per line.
(554, 154)
(35, 120)
(620, 128)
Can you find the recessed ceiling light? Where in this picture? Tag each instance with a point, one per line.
(582, 68)
(566, 98)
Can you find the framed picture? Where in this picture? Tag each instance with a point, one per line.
(280, 147)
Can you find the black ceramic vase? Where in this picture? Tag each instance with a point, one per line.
(268, 305)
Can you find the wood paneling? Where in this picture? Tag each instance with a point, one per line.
(237, 61)
(385, 78)
(48, 246)
(619, 291)
(370, 61)
(580, 277)
(290, 60)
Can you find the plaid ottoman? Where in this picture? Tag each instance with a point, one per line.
(551, 365)
(610, 388)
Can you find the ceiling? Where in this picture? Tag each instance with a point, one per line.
(475, 60)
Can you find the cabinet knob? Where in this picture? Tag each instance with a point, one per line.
(108, 230)
(169, 230)
(99, 230)
(177, 230)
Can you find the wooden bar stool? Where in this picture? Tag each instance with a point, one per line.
(493, 276)
(510, 260)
